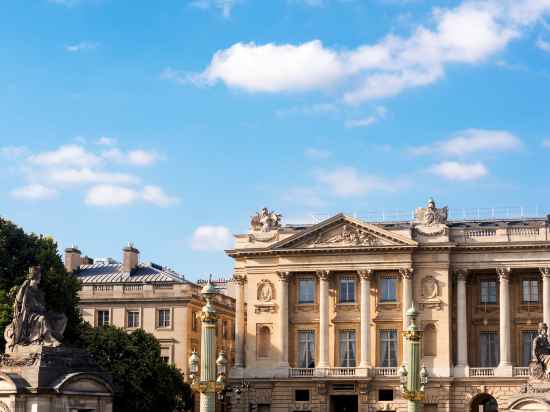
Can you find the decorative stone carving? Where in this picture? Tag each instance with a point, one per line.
(504, 272)
(283, 276)
(32, 323)
(461, 274)
(345, 235)
(406, 273)
(323, 274)
(539, 368)
(239, 279)
(265, 221)
(429, 290)
(263, 396)
(431, 215)
(265, 291)
(545, 271)
(365, 274)
(4, 407)
(6, 360)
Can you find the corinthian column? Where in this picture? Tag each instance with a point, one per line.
(461, 322)
(365, 276)
(407, 276)
(283, 317)
(239, 280)
(545, 272)
(323, 318)
(505, 364)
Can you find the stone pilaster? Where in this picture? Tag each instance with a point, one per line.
(545, 272)
(505, 365)
(407, 289)
(323, 319)
(240, 281)
(365, 276)
(283, 317)
(461, 367)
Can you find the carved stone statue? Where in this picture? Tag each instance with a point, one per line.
(32, 323)
(265, 221)
(541, 353)
(431, 215)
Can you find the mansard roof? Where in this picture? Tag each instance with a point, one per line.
(114, 273)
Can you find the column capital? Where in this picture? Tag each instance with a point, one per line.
(239, 279)
(406, 273)
(284, 276)
(504, 272)
(323, 274)
(461, 274)
(365, 274)
(545, 271)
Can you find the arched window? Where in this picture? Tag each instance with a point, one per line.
(264, 342)
(430, 340)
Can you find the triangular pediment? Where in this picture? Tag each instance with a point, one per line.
(343, 231)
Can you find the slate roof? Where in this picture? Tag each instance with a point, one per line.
(114, 273)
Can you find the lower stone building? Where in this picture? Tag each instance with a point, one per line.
(321, 330)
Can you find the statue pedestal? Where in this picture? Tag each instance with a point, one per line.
(46, 379)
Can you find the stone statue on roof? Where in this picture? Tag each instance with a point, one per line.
(431, 215)
(265, 221)
(32, 323)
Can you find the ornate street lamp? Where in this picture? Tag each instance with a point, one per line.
(207, 385)
(413, 382)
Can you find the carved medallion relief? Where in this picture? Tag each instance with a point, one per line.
(430, 292)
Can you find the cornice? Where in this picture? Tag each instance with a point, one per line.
(319, 251)
(504, 246)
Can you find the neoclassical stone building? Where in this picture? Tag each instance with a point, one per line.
(134, 295)
(321, 330)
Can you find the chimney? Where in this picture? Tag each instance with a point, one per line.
(72, 259)
(130, 257)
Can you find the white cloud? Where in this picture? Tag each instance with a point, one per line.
(82, 46)
(306, 196)
(13, 152)
(67, 155)
(225, 6)
(34, 192)
(106, 141)
(110, 195)
(86, 175)
(459, 171)
(210, 238)
(348, 182)
(469, 33)
(543, 45)
(380, 113)
(133, 157)
(317, 154)
(472, 141)
(309, 110)
(157, 196)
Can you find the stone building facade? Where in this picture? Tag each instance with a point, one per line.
(321, 330)
(134, 295)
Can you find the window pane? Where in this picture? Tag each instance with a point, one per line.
(488, 291)
(388, 348)
(388, 289)
(489, 349)
(347, 290)
(306, 349)
(306, 291)
(527, 340)
(347, 349)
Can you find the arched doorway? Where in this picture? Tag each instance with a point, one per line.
(484, 403)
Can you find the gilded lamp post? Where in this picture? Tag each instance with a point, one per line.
(414, 380)
(208, 385)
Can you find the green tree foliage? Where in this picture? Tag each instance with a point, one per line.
(19, 251)
(143, 382)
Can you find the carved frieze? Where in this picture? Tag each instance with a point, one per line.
(263, 396)
(6, 360)
(344, 235)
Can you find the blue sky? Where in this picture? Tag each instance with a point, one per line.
(169, 124)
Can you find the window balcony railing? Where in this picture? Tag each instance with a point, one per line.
(482, 371)
(521, 371)
(385, 371)
(300, 372)
(327, 372)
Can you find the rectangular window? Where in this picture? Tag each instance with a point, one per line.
(347, 348)
(132, 319)
(527, 338)
(102, 317)
(489, 349)
(488, 291)
(347, 289)
(306, 349)
(194, 320)
(164, 318)
(224, 329)
(388, 289)
(301, 395)
(165, 354)
(530, 291)
(385, 394)
(388, 348)
(306, 290)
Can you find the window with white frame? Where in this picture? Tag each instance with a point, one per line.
(164, 320)
(488, 289)
(166, 354)
(388, 289)
(387, 342)
(306, 290)
(489, 349)
(194, 320)
(347, 349)
(527, 338)
(102, 318)
(347, 289)
(530, 290)
(306, 349)
(132, 319)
